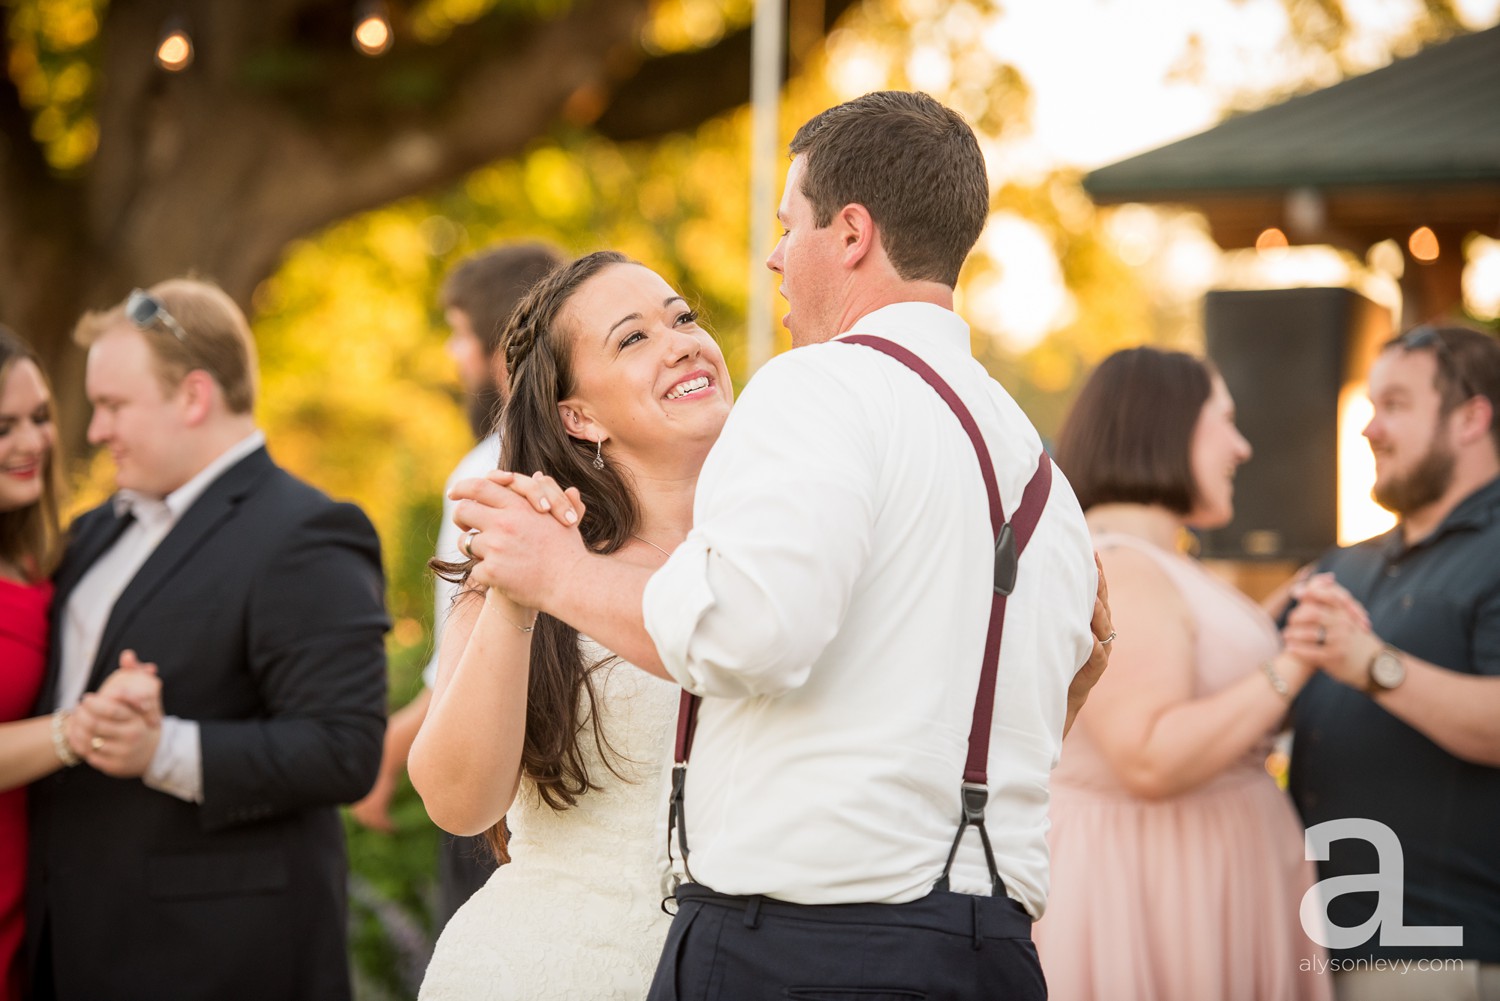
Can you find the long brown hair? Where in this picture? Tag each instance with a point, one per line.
(30, 537)
(538, 352)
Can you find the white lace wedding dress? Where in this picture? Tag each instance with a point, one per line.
(576, 914)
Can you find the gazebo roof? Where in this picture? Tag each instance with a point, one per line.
(1414, 143)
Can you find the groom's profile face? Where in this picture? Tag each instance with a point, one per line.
(807, 259)
(135, 416)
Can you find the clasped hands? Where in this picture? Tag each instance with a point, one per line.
(1330, 630)
(522, 533)
(117, 728)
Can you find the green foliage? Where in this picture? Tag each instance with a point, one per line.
(52, 52)
(681, 25)
(393, 883)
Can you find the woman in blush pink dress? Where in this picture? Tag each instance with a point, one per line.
(1177, 864)
(31, 747)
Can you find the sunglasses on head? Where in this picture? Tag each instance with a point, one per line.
(1429, 337)
(145, 311)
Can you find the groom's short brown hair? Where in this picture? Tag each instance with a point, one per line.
(913, 164)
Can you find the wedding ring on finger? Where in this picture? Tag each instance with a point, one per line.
(1106, 641)
(96, 743)
(466, 543)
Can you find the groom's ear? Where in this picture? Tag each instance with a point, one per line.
(857, 233)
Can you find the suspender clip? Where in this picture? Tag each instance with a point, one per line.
(975, 796)
(677, 821)
(1007, 561)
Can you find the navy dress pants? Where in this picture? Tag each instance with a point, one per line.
(943, 947)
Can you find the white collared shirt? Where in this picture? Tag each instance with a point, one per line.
(482, 458)
(832, 603)
(177, 766)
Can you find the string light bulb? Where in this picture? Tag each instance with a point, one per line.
(174, 51)
(1271, 239)
(372, 29)
(1423, 244)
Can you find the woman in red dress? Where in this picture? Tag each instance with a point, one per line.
(29, 540)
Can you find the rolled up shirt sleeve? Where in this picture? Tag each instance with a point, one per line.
(708, 604)
(784, 505)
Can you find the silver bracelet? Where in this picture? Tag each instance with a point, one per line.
(65, 753)
(1277, 681)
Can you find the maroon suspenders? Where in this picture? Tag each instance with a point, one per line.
(1011, 538)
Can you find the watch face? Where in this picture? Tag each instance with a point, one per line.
(1386, 670)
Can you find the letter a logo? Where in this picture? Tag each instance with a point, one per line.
(1388, 883)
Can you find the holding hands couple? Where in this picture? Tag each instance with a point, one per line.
(490, 502)
(1325, 629)
(1329, 630)
(115, 729)
(834, 611)
(193, 730)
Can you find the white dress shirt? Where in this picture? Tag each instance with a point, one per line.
(177, 766)
(831, 604)
(482, 458)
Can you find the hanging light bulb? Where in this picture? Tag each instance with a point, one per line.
(1271, 239)
(372, 29)
(174, 51)
(1423, 244)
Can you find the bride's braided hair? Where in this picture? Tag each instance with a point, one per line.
(562, 701)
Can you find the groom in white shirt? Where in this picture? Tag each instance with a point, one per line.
(831, 606)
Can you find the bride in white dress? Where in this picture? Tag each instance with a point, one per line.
(618, 393)
(577, 911)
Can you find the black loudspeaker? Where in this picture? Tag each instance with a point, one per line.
(1285, 354)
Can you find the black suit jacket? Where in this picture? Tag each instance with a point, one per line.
(263, 610)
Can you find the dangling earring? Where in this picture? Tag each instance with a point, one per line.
(598, 453)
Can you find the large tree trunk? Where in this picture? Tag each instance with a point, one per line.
(279, 128)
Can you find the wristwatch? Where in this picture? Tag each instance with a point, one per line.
(1387, 670)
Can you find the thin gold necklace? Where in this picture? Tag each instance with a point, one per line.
(653, 545)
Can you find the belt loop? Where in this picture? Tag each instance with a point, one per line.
(978, 940)
(752, 912)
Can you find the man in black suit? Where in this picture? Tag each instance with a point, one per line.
(203, 857)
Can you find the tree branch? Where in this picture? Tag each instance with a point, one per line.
(279, 127)
(681, 91)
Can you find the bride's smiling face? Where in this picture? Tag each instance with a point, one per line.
(647, 379)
